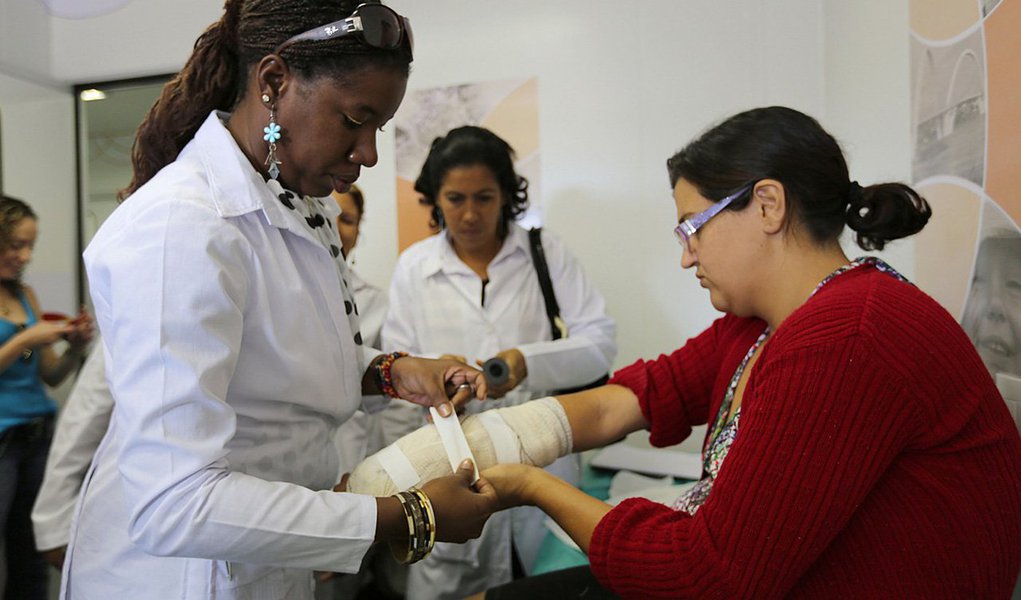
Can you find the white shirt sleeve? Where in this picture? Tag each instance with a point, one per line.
(82, 423)
(590, 347)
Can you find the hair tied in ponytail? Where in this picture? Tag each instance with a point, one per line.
(229, 25)
(855, 194)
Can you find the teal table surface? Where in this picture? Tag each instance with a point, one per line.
(554, 554)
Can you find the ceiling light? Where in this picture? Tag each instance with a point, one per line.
(92, 94)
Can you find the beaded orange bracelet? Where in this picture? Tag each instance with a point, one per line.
(384, 377)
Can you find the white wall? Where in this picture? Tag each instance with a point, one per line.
(622, 86)
(39, 168)
(24, 39)
(145, 37)
(868, 97)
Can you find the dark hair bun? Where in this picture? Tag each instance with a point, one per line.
(885, 212)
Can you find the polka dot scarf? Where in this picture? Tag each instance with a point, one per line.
(310, 211)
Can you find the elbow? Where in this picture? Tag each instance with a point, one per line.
(178, 520)
(154, 535)
(54, 373)
(166, 525)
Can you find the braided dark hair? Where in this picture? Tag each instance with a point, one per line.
(216, 74)
(12, 212)
(465, 147)
(789, 146)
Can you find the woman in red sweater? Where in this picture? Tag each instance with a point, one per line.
(856, 448)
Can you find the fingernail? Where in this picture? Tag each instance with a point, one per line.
(466, 464)
(444, 409)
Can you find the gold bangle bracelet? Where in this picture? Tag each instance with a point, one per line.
(409, 549)
(418, 516)
(421, 527)
(430, 518)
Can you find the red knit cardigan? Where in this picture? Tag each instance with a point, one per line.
(875, 459)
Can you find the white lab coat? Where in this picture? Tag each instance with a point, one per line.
(82, 422)
(436, 308)
(231, 362)
(85, 416)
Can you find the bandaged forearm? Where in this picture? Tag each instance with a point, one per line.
(534, 433)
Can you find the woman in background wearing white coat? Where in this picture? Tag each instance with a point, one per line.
(83, 421)
(471, 291)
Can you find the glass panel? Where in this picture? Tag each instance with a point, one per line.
(108, 117)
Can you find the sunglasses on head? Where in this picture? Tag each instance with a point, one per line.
(380, 27)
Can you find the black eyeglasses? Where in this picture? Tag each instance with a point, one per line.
(380, 27)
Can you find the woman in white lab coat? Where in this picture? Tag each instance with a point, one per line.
(231, 336)
(471, 291)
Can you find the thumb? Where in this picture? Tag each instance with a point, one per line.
(466, 471)
(445, 409)
(483, 487)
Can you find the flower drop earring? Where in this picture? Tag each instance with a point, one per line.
(271, 133)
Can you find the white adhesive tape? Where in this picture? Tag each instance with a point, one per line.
(505, 441)
(453, 440)
(398, 467)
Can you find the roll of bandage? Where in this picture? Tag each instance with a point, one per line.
(496, 371)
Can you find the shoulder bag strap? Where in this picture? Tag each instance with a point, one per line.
(557, 325)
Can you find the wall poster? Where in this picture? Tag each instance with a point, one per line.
(509, 108)
(966, 138)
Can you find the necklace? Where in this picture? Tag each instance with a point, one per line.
(5, 302)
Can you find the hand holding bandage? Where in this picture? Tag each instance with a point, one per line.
(533, 433)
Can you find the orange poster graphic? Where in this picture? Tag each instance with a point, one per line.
(508, 108)
(1003, 47)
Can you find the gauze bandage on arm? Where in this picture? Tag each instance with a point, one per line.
(534, 433)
